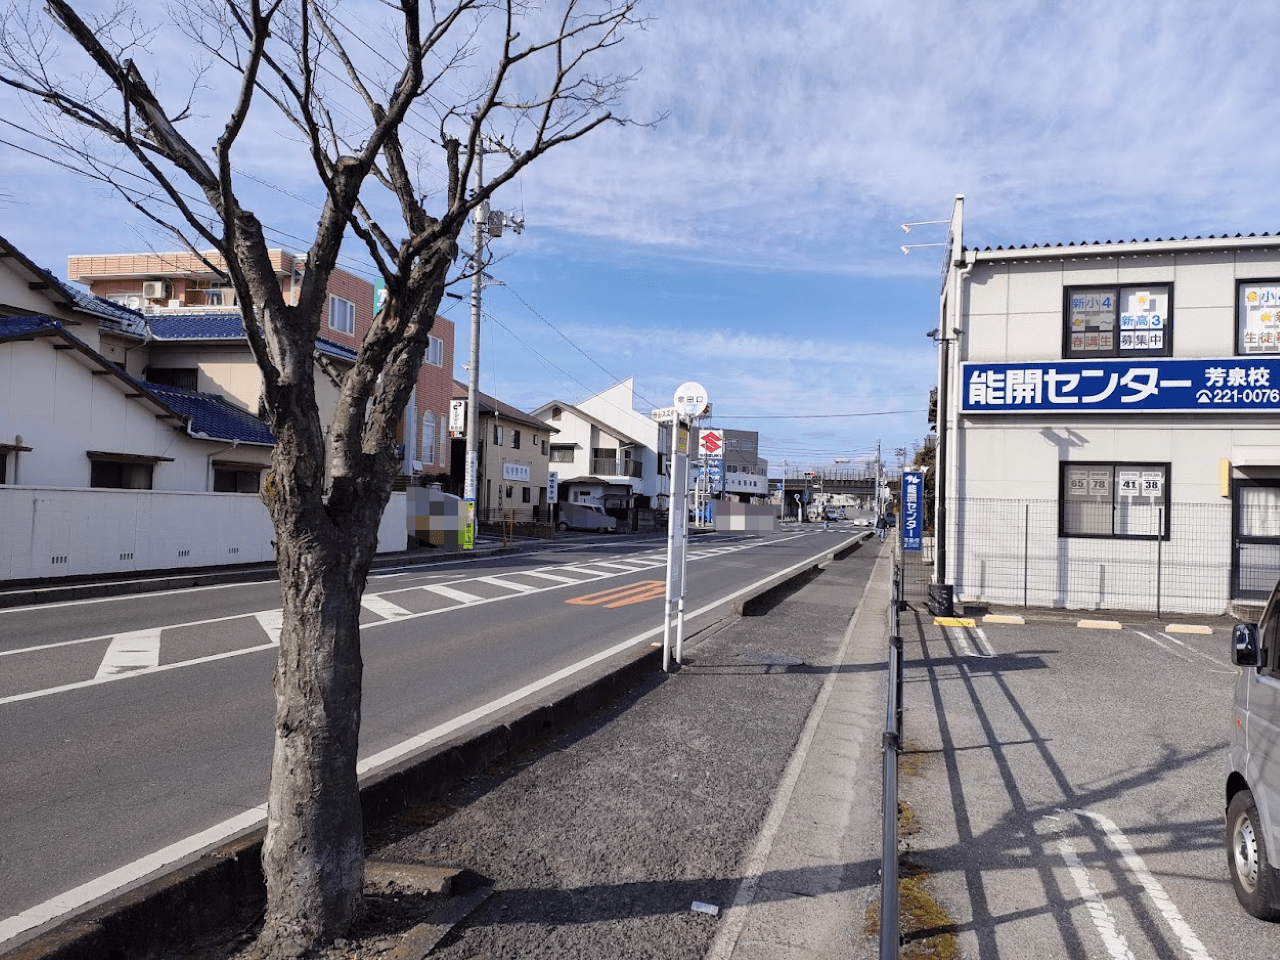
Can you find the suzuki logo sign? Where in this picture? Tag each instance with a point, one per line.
(712, 443)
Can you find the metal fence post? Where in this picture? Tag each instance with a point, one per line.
(892, 745)
(1159, 555)
(1026, 549)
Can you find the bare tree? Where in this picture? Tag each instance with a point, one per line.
(465, 70)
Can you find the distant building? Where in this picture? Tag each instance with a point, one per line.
(197, 343)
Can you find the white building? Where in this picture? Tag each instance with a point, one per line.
(103, 470)
(606, 450)
(1109, 423)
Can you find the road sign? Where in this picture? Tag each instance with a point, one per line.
(691, 399)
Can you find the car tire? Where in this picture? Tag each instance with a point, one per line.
(562, 526)
(1252, 876)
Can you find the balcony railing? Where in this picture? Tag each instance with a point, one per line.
(608, 467)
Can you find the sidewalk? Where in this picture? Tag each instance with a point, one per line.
(728, 811)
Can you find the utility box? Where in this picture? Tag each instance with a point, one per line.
(941, 600)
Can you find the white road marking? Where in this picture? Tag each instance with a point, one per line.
(271, 621)
(982, 643)
(127, 652)
(375, 603)
(450, 593)
(1162, 646)
(1105, 923)
(1191, 649)
(549, 576)
(508, 584)
(131, 874)
(194, 846)
(1191, 944)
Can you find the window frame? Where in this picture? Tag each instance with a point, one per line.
(1240, 316)
(497, 434)
(435, 351)
(515, 439)
(561, 453)
(1115, 501)
(1116, 351)
(335, 299)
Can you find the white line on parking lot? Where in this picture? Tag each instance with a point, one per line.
(1191, 944)
(1162, 646)
(1105, 923)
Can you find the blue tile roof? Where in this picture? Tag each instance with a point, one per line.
(197, 326)
(25, 326)
(212, 417)
(224, 326)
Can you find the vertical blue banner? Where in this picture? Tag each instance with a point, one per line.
(912, 510)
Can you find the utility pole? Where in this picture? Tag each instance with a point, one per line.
(483, 223)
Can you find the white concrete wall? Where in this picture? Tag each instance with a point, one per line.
(60, 531)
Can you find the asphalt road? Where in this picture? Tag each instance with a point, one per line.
(1069, 786)
(133, 724)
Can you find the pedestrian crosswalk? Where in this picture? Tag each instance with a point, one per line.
(164, 647)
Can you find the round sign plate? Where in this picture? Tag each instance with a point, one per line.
(690, 399)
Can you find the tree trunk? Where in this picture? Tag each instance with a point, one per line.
(313, 855)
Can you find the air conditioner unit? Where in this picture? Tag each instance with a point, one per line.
(155, 290)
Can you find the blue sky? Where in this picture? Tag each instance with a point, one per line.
(751, 240)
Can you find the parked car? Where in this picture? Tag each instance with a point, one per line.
(1253, 780)
(585, 516)
(833, 513)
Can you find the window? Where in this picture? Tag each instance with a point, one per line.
(342, 315)
(525, 496)
(236, 477)
(1129, 321)
(1258, 317)
(515, 439)
(428, 445)
(4, 464)
(497, 435)
(120, 476)
(544, 448)
(435, 352)
(561, 454)
(1115, 500)
(182, 377)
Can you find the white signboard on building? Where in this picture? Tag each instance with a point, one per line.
(515, 471)
(457, 418)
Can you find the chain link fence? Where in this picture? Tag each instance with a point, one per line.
(1192, 558)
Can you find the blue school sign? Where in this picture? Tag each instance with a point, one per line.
(912, 510)
(1233, 384)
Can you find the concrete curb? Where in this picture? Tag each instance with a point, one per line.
(226, 882)
(760, 602)
(195, 900)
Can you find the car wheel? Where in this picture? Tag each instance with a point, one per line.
(1251, 874)
(562, 526)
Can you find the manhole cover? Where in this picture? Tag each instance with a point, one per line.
(769, 660)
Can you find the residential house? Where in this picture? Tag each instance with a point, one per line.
(198, 343)
(608, 453)
(103, 469)
(513, 450)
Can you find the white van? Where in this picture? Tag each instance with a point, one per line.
(1253, 781)
(585, 516)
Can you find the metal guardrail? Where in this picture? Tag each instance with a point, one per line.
(890, 940)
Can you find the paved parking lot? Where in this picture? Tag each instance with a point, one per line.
(1067, 782)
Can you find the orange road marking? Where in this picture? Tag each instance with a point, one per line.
(622, 596)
